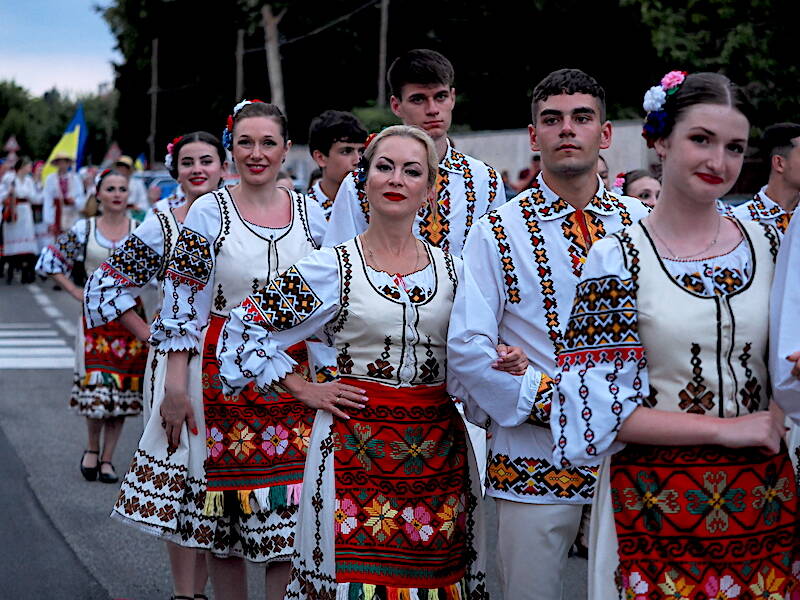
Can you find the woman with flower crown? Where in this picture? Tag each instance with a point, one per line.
(233, 241)
(162, 502)
(664, 377)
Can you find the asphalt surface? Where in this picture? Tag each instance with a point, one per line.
(56, 537)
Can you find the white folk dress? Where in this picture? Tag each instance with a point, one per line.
(63, 200)
(521, 265)
(682, 336)
(109, 360)
(240, 496)
(392, 508)
(19, 235)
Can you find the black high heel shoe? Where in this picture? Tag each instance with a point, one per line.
(90, 473)
(105, 477)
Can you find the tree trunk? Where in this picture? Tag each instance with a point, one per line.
(273, 55)
(151, 140)
(382, 53)
(239, 66)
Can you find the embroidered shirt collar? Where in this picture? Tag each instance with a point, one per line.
(550, 205)
(766, 207)
(453, 160)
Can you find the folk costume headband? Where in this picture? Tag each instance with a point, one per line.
(227, 133)
(657, 120)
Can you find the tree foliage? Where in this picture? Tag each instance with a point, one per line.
(753, 43)
(39, 122)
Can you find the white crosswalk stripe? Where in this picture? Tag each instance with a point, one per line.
(33, 346)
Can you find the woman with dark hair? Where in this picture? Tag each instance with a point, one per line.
(109, 360)
(241, 502)
(17, 192)
(640, 184)
(391, 507)
(197, 161)
(664, 376)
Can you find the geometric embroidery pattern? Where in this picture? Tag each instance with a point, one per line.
(542, 403)
(705, 522)
(133, 264)
(434, 225)
(538, 477)
(191, 263)
(581, 229)
(751, 390)
(504, 248)
(284, 302)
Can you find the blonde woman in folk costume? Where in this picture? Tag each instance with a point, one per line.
(110, 361)
(664, 376)
(391, 503)
(233, 241)
(163, 503)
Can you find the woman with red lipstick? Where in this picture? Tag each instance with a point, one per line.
(243, 504)
(391, 508)
(664, 377)
(110, 361)
(156, 505)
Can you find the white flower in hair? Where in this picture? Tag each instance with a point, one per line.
(168, 161)
(654, 99)
(240, 106)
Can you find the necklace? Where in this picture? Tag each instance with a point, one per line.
(703, 251)
(371, 255)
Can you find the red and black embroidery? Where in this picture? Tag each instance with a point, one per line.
(751, 391)
(191, 263)
(382, 368)
(284, 302)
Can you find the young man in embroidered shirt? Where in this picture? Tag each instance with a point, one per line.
(521, 265)
(421, 84)
(776, 201)
(336, 143)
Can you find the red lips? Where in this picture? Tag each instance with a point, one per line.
(708, 178)
(394, 197)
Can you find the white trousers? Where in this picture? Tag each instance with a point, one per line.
(532, 545)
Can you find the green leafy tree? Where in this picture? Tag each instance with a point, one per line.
(753, 43)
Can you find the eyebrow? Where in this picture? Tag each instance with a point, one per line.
(575, 111)
(201, 157)
(411, 162)
(714, 134)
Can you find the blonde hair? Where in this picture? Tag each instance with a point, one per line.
(409, 132)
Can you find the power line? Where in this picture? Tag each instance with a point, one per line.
(319, 29)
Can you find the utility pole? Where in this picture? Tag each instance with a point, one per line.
(151, 140)
(382, 53)
(239, 65)
(273, 55)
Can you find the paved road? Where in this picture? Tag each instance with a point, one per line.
(56, 540)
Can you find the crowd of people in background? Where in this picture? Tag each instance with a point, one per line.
(332, 379)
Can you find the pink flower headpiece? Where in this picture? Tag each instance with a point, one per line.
(657, 121)
(170, 147)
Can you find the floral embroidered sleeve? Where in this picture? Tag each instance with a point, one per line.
(113, 288)
(291, 308)
(189, 280)
(472, 345)
(349, 215)
(69, 248)
(602, 375)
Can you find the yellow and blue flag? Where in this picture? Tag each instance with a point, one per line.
(72, 143)
(140, 163)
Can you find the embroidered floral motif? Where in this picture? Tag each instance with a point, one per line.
(362, 443)
(722, 588)
(678, 589)
(214, 445)
(344, 516)
(417, 523)
(276, 440)
(413, 450)
(635, 587)
(381, 518)
(715, 501)
(649, 499)
(241, 445)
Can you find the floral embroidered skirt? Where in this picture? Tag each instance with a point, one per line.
(392, 502)
(702, 523)
(109, 369)
(167, 493)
